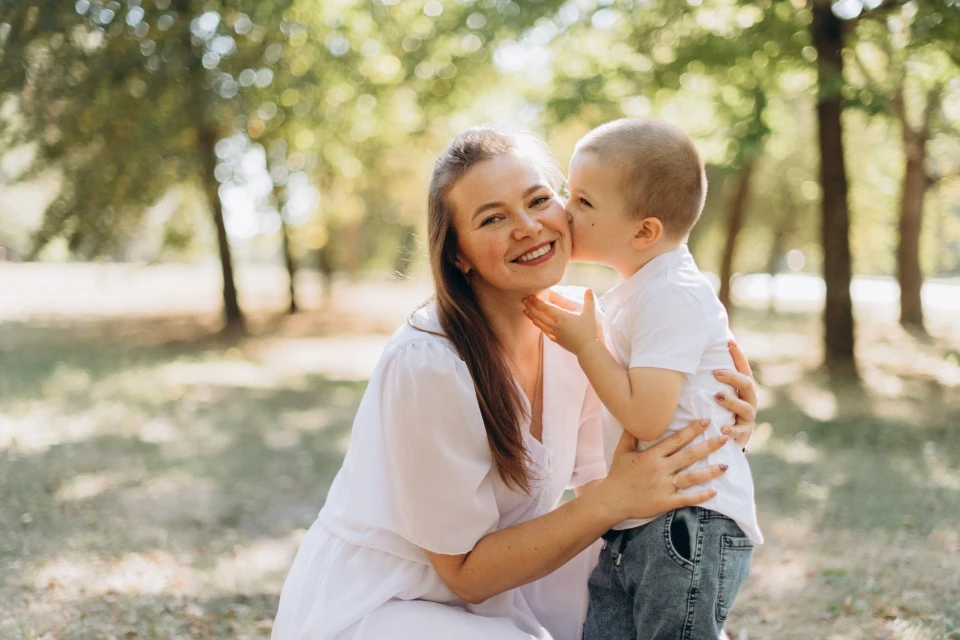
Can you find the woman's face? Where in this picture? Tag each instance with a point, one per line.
(511, 227)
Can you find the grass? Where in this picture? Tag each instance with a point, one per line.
(858, 488)
(156, 490)
(155, 481)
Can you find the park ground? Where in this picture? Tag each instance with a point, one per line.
(156, 478)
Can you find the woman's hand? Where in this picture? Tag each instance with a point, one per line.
(644, 484)
(745, 406)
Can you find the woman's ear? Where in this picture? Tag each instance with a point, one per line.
(462, 265)
(648, 232)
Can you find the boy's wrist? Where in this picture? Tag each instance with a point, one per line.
(587, 346)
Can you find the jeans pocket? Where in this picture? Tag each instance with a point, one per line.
(680, 536)
(735, 555)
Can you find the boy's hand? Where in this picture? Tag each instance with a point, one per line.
(561, 323)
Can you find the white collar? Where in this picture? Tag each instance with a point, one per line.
(617, 296)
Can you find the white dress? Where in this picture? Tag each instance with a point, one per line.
(418, 475)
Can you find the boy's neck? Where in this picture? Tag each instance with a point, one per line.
(638, 259)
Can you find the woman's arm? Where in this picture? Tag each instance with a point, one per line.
(640, 485)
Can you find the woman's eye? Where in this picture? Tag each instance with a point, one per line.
(490, 220)
(539, 201)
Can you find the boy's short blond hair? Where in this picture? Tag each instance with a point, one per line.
(661, 172)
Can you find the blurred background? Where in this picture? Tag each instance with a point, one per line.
(212, 218)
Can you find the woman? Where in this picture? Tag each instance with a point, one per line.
(443, 521)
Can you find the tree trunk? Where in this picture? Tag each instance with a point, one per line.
(206, 140)
(838, 313)
(783, 229)
(327, 268)
(909, 274)
(289, 263)
(915, 185)
(207, 137)
(354, 241)
(939, 253)
(738, 207)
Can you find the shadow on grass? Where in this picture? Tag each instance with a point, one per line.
(233, 473)
(860, 471)
(197, 468)
(165, 616)
(133, 463)
(30, 353)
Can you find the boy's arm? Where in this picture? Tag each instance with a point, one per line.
(667, 339)
(642, 399)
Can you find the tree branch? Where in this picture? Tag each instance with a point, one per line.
(899, 109)
(880, 11)
(932, 180)
(931, 108)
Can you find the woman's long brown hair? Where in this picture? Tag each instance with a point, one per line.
(459, 312)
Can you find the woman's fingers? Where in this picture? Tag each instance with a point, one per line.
(680, 439)
(743, 409)
(680, 500)
(687, 479)
(739, 360)
(741, 433)
(744, 384)
(686, 457)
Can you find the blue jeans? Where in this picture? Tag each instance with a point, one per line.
(673, 578)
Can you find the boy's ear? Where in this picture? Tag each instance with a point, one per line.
(649, 231)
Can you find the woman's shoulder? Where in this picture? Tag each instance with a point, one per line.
(421, 343)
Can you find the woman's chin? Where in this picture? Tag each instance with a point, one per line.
(548, 277)
(539, 285)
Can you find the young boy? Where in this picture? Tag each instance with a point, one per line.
(636, 189)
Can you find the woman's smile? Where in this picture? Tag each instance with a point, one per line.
(539, 254)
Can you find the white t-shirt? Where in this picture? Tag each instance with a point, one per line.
(418, 475)
(667, 316)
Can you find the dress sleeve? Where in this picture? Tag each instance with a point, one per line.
(590, 464)
(437, 458)
(668, 333)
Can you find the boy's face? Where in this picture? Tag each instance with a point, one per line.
(599, 220)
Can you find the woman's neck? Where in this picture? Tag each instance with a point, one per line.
(504, 312)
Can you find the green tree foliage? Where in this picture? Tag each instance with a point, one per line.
(742, 61)
(731, 56)
(127, 100)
